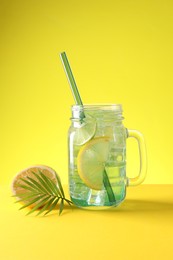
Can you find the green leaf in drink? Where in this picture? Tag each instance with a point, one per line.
(91, 165)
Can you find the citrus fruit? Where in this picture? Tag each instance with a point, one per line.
(28, 172)
(91, 161)
(85, 131)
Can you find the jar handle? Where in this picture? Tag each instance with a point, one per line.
(143, 158)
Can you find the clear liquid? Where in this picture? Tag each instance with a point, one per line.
(83, 196)
(115, 166)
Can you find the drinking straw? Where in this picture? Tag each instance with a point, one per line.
(71, 79)
(78, 101)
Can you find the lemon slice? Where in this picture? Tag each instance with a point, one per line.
(91, 162)
(84, 132)
(16, 190)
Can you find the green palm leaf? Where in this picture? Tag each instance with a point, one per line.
(61, 206)
(59, 184)
(42, 193)
(46, 206)
(28, 187)
(50, 184)
(42, 182)
(53, 205)
(26, 196)
(32, 201)
(40, 204)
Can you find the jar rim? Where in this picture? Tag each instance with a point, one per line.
(102, 106)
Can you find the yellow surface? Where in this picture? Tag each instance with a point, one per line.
(120, 52)
(140, 228)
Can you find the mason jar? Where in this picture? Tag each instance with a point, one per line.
(97, 156)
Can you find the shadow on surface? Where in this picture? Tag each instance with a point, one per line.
(130, 205)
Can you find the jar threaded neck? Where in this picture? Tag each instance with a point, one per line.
(99, 111)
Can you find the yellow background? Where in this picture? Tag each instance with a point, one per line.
(120, 52)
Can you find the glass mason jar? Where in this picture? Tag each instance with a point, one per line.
(97, 156)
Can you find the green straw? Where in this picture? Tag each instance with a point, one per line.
(78, 101)
(71, 79)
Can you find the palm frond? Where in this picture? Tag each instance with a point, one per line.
(52, 186)
(41, 193)
(32, 201)
(42, 182)
(60, 186)
(61, 206)
(26, 196)
(53, 205)
(40, 204)
(46, 206)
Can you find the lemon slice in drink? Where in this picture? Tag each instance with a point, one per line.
(91, 162)
(28, 172)
(85, 131)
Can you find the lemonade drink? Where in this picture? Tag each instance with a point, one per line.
(97, 156)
